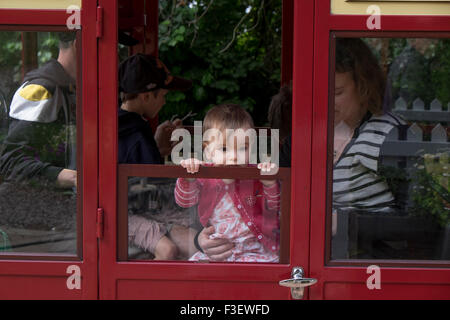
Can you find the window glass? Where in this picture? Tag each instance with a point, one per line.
(390, 189)
(38, 135)
(221, 60)
(165, 217)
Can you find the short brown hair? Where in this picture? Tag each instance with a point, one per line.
(227, 116)
(128, 96)
(353, 55)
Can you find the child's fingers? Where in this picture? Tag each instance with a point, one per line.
(267, 168)
(264, 166)
(196, 166)
(186, 164)
(191, 165)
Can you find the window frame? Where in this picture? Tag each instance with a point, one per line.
(330, 138)
(78, 256)
(172, 171)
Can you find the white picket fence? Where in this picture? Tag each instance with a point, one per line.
(435, 113)
(414, 144)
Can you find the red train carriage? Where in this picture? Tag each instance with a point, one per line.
(83, 251)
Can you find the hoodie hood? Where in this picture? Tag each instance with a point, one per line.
(136, 141)
(131, 122)
(52, 71)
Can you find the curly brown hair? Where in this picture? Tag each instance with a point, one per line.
(353, 55)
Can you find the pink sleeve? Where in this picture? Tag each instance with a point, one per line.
(186, 193)
(273, 196)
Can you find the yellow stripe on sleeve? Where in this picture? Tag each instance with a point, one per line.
(35, 92)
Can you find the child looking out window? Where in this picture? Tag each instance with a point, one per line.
(246, 212)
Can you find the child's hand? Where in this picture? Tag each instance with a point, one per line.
(216, 249)
(191, 165)
(268, 168)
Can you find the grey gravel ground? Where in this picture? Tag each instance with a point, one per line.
(38, 218)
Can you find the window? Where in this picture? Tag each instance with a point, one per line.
(39, 206)
(233, 62)
(390, 156)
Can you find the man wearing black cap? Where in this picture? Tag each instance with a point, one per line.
(143, 83)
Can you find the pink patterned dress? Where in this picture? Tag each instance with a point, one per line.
(229, 225)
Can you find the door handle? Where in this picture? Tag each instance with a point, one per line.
(297, 283)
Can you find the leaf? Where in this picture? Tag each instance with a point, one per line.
(207, 79)
(176, 96)
(199, 93)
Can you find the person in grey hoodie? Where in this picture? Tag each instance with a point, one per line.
(42, 132)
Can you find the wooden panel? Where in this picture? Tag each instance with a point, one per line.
(199, 290)
(37, 288)
(41, 4)
(392, 7)
(390, 291)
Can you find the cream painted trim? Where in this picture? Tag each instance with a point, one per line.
(392, 7)
(38, 4)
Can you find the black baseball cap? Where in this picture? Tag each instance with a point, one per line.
(142, 73)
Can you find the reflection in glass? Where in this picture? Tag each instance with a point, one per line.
(391, 195)
(38, 141)
(243, 212)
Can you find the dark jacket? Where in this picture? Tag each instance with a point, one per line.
(136, 141)
(42, 132)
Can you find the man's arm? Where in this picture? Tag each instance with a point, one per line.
(21, 155)
(36, 145)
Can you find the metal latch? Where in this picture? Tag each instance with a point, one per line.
(297, 283)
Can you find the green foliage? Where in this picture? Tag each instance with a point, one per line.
(420, 68)
(431, 194)
(11, 57)
(10, 62)
(48, 46)
(230, 49)
(440, 75)
(397, 179)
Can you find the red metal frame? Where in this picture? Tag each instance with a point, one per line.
(105, 278)
(157, 171)
(178, 280)
(33, 278)
(33, 17)
(399, 281)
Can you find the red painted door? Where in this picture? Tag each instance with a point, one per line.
(396, 255)
(49, 245)
(359, 255)
(122, 276)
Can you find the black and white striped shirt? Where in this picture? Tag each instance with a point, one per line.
(356, 180)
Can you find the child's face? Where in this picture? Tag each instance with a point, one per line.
(231, 150)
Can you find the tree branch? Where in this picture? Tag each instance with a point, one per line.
(240, 22)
